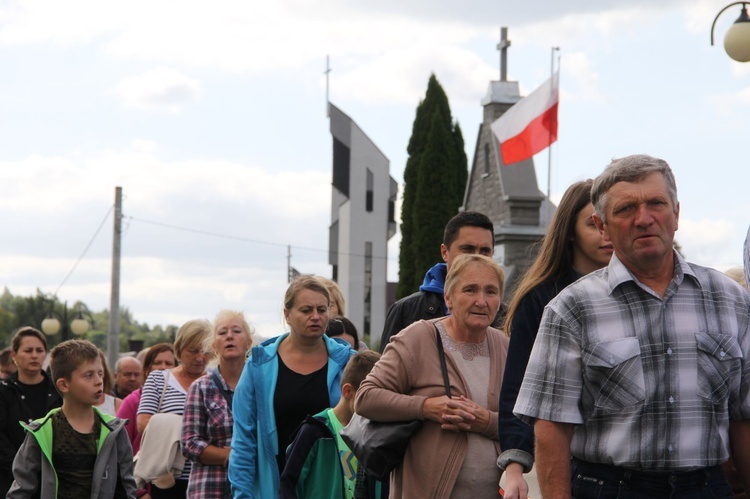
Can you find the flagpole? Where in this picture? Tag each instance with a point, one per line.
(289, 263)
(549, 151)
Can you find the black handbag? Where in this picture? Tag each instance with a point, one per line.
(380, 446)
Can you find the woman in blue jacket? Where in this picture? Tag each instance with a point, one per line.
(285, 379)
(571, 248)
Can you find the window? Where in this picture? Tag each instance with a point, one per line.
(486, 160)
(341, 156)
(368, 287)
(369, 194)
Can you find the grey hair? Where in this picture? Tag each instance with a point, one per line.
(119, 361)
(630, 169)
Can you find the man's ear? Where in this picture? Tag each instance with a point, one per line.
(62, 385)
(601, 226)
(444, 252)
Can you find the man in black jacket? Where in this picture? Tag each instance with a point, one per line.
(469, 232)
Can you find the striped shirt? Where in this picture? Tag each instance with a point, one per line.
(173, 403)
(651, 382)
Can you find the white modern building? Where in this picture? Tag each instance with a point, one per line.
(362, 222)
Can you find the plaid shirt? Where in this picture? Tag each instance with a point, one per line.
(207, 420)
(651, 383)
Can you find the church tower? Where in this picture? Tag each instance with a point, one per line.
(509, 195)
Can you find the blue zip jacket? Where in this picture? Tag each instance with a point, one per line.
(253, 471)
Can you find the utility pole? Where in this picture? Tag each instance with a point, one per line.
(113, 337)
(289, 275)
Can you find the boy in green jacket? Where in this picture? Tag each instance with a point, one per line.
(75, 451)
(318, 463)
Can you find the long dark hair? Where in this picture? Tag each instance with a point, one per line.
(555, 255)
(339, 325)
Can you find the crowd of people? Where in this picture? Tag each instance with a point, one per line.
(616, 369)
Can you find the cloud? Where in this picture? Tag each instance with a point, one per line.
(381, 51)
(159, 88)
(44, 185)
(710, 241)
(198, 235)
(67, 23)
(739, 69)
(730, 103)
(578, 66)
(402, 76)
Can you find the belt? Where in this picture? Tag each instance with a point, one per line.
(665, 479)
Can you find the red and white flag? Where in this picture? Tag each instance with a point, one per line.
(531, 124)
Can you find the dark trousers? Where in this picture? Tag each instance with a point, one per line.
(599, 481)
(179, 491)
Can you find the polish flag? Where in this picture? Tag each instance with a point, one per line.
(531, 124)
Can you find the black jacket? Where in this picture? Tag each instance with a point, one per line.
(517, 437)
(421, 305)
(12, 410)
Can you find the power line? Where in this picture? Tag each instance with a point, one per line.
(85, 250)
(244, 239)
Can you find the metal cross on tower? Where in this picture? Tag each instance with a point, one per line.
(327, 72)
(502, 47)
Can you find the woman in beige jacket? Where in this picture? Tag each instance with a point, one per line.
(454, 453)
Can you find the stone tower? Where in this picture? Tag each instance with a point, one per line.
(509, 195)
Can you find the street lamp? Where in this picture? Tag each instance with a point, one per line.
(737, 39)
(79, 326)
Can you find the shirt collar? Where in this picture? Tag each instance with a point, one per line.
(618, 273)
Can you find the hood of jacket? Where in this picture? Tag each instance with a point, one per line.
(42, 429)
(434, 279)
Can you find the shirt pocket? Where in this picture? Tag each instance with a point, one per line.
(614, 372)
(719, 362)
(217, 414)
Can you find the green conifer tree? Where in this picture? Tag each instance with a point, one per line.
(434, 183)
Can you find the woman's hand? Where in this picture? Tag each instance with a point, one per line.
(457, 414)
(435, 407)
(215, 456)
(465, 415)
(515, 485)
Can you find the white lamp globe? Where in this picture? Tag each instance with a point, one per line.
(51, 326)
(80, 326)
(737, 39)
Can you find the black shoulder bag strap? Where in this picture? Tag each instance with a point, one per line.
(228, 396)
(443, 367)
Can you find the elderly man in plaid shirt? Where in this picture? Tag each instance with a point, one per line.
(641, 371)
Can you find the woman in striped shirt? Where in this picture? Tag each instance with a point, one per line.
(189, 350)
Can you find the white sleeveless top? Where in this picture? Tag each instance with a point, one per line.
(108, 406)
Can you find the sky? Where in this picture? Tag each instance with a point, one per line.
(211, 117)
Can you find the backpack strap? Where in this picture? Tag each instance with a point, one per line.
(228, 396)
(167, 372)
(443, 367)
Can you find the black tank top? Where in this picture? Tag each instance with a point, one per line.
(296, 396)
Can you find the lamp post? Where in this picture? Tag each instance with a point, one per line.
(737, 38)
(79, 326)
